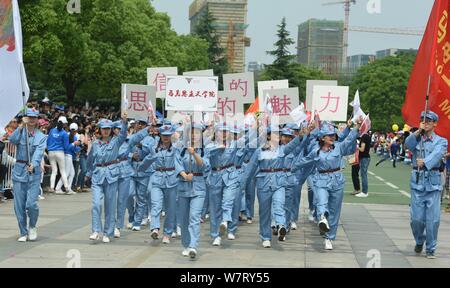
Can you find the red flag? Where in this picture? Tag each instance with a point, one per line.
(365, 125)
(433, 60)
(254, 107)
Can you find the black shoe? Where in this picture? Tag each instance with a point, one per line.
(281, 233)
(418, 249)
(274, 231)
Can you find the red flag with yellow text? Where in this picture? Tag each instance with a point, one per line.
(433, 59)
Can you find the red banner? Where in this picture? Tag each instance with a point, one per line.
(433, 60)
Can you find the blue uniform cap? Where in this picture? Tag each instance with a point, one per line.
(287, 131)
(31, 112)
(166, 130)
(60, 108)
(271, 129)
(327, 129)
(429, 115)
(105, 123)
(117, 124)
(292, 126)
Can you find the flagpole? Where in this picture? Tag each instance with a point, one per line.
(422, 131)
(25, 111)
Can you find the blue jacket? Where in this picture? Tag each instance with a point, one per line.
(434, 148)
(72, 149)
(57, 140)
(198, 185)
(37, 144)
(125, 155)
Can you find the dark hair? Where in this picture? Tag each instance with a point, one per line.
(158, 148)
(60, 126)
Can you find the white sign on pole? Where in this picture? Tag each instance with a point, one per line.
(229, 103)
(269, 85)
(309, 89)
(331, 102)
(282, 102)
(242, 84)
(135, 100)
(157, 77)
(186, 93)
(199, 73)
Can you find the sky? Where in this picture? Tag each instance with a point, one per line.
(264, 16)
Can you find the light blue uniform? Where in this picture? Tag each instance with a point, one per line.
(270, 170)
(328, 178)
(191, 197)
(26, 186)
(426, 191)
(166, 164)
(141, 179)
(223, 181)
(104, 172)
(125, 198)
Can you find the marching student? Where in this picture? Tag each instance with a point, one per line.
(192, 190)
(427, 148)
(104, 172)
(26, 174)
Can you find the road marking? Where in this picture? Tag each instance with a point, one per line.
(379, 178)
(404, 193)
(391, 185)
(371, 173)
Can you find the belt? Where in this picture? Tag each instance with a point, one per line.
(329, 171)
(197, 174)
(238, 167)
(425, 169)
(222, 168)
(273, 170)
(123, 159)
(22, 161)
(163, 169)
(107, 163)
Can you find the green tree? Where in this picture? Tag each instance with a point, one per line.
(206, 30)
(88, 55)
(284, 67)
(382, 86)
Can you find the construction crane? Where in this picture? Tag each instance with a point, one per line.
(393, 31)
(347, 5)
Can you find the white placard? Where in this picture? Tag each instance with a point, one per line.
(282, 102)
(186, 93)
(331, 102)
(209, 73)
(309, 89)
(242, 84)
(135, 100)
(268, 85)
(157, 77)
(229, 104)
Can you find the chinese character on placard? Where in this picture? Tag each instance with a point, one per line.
(160, 82)
(242, 85)
(329, 98)
(138, 101)
(281, 106)
(226, 106)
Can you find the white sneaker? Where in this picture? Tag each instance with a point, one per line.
(163, 214)
(192, 253)
(144, 222)
(223, 228)
(41, 197)
(185, 252)
(94, 236)
(106, 239)
(293, 225)
(311, 216)
(249, 221)
(166, 240)
(323, 224)
(178, 231)
(22, 239)
(59, 192)
(32, 234)
(266, 244)
(174, 235)
(217, 241)
(328, 244)
(362, 195)
(206, 216)
(116, 233)
(231, 236)
(71, 192)
(130, 226)
(136, 228)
